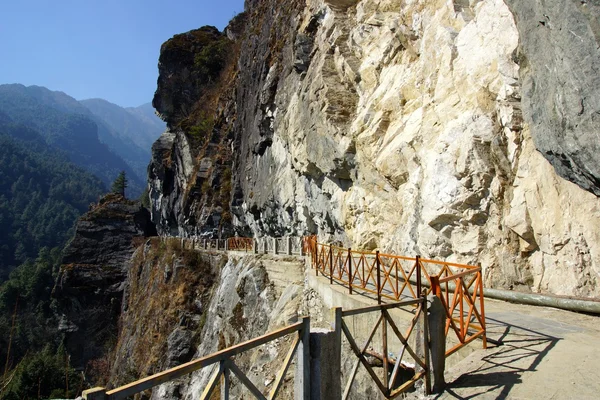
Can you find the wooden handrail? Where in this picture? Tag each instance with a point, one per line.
(381, 307)
(184, 369)
(459, 275)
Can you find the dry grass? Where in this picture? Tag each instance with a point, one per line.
(164, 284)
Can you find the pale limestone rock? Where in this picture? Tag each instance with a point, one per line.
(405, 134)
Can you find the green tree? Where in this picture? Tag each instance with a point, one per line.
(119, 184)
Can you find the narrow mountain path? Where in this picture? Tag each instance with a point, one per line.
(546, 354)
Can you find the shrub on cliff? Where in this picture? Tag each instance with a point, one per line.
(211, 59)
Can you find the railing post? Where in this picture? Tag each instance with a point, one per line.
(315, 258)
(384, 354)
(275, 246)
(436, 326)
(436, 290)
(226, 244)
(418, 265)
(481, 306)
(302, 382)
(426, 347)
(225, 383)
(289, 245)
(97, 393)
(330, 265)
(350, 270)
(254, 246)
(378, 288)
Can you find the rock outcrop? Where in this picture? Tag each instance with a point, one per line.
(559, 60)
(190, 171)
(416, 128)
(166, 297)
(90, 284)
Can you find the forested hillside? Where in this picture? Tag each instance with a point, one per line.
(41, 195)
(35, 364)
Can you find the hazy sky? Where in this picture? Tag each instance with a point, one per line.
(97, 48)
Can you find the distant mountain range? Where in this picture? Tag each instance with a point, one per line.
(99, 136)
(130, 131)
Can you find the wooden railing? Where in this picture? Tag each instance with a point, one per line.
(396, 278)
(387, 276)
(226, 364)
(460, 288)
(240, 244)
(389, 383)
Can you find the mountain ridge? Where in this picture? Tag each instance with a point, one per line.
(90, 139)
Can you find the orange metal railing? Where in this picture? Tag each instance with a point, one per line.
(396, 278)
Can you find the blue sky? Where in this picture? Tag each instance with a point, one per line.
(97, 48)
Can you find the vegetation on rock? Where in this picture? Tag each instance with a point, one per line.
(33, 359)
(120, 184)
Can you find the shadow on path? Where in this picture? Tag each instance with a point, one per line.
(522, 351)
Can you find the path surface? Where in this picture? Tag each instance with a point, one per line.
(547, 354)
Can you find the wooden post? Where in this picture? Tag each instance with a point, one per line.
(315, 257)
(225, 380)
(275, 246)
(481, 306)
(330, 265)
(384, 353)
(97, 393)
(289, 245)
(378, 289)
(418, 265)
(436, 290)
(349, 270)
(226, 244)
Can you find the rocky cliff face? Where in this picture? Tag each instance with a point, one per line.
(460, 130)
(90, 285)
(166, 297)
(181, 304)
(190, 171)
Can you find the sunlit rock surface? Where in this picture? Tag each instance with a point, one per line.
(419, 128)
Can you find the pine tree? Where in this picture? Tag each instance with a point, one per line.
(119, 184)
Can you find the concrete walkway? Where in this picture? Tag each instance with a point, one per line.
(547, 354)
